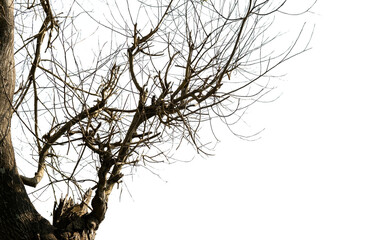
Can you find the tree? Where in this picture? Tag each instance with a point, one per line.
(149, 88)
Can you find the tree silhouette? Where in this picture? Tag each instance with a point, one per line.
(89, 117)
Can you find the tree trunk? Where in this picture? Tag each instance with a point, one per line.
(19, 220)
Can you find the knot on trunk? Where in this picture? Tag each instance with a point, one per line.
(68, 216)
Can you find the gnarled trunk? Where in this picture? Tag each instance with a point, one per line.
(19, 220)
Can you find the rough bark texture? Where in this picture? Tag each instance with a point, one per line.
(19, 219)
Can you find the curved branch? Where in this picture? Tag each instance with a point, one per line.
(51, 139)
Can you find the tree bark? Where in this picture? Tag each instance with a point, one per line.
(19, 220)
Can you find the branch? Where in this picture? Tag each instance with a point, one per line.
(51, 139)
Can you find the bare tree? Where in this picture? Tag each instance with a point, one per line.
(163, 70)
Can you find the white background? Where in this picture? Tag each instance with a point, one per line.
(322, 168)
